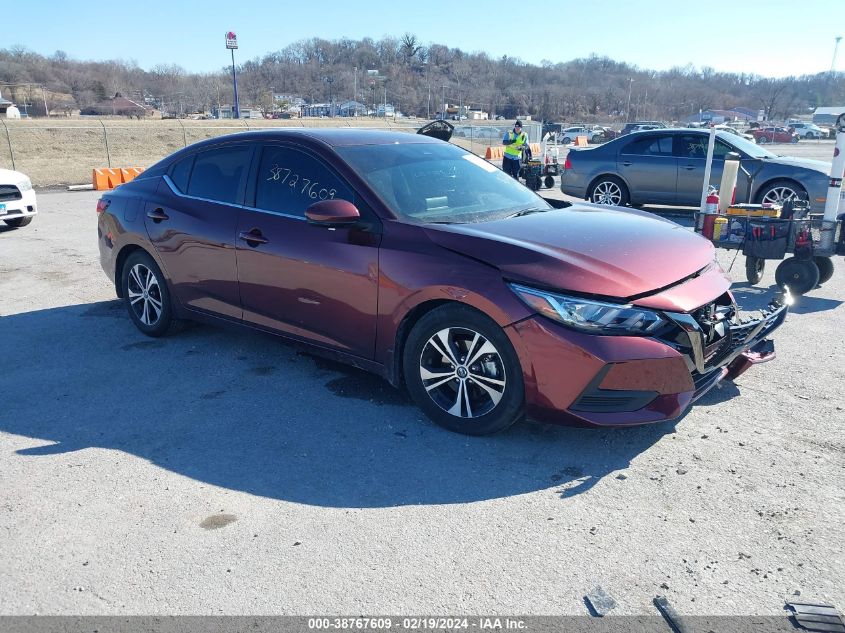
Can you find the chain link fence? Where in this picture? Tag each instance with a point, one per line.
(64, 152)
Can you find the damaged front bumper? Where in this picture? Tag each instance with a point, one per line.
(743, 343)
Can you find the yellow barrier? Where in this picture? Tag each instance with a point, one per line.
(105, 179)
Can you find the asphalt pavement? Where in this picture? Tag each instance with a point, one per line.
(221, 471)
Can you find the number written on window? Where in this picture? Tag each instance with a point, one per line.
(290, 180)
(310, 189)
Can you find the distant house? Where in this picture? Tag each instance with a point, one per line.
(352, 108)
(119, 106)
(724, 116)
(225, 112)
(317, 109)
(827, 115)
(477, 115)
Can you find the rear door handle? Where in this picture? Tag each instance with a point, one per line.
(689, 167)
(253, 237)
(627, 163)
(157, 215)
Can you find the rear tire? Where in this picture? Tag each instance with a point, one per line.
(825, 265)
(17, 223)
(462, 371)
(549, 181)
(145, 294)
(754, 267)
(799, 275)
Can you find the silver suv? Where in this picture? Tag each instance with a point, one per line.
(808, 130)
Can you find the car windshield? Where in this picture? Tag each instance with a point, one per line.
(744, 145)
(439, 183)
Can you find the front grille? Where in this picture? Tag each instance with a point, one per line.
(9, 193)
(715, 320)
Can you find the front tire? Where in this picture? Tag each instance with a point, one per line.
(145, 295)
(780, 191)
(461, 370)
(18, 223)
(609, 190)
(799, 275)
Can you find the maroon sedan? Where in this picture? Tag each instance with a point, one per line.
(774, 135)
(416, 260)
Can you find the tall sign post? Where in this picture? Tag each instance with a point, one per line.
(232, 44)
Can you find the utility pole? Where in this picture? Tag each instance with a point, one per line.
(443, 111)
(835, 51)
(355, 91)
(628, 107)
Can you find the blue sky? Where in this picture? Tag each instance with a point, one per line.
(767, 37)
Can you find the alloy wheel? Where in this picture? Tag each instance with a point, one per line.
(463, 372)
(607, 192)
(144, 294)
(779, 195)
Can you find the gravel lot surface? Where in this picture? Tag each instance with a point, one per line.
(222, 471)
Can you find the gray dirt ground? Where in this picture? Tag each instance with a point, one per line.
(224, 472)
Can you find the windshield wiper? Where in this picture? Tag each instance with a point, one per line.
(527, 212)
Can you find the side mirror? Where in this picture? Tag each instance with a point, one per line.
(332, 213)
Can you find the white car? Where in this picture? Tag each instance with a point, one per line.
(17, 199)
(567, 135)
(735, 132)
(808, 130)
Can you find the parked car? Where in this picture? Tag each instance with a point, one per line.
(809, 130)
(735, 132)
(17, 199)
(637, 126)
(607, 132)
(667, 167)
(569, 134)
(774, 135)
(414, 259)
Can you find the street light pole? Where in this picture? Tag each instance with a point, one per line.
(628, 107)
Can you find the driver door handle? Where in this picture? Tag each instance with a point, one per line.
(253, 237)
(157, 215)
(627, 163)
(689, 167)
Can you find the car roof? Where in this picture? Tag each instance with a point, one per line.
(333, 137)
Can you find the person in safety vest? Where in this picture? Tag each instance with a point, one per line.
(514, 141)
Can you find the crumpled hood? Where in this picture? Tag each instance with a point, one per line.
(586, 249)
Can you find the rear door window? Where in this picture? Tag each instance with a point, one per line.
(180, 173)
(649, 146)
(218, 174)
